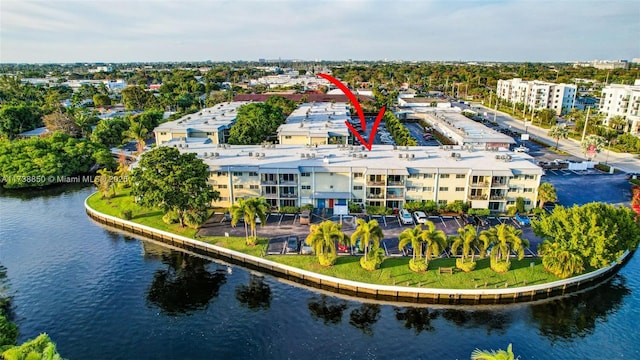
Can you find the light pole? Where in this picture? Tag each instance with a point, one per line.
(584, 131)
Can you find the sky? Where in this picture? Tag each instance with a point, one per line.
(62, 31)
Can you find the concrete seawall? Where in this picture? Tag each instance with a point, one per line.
(365, 290)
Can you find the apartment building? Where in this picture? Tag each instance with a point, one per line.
(316, 123)
(212, 123)
(538, 95)
(330, 175)
(622, 100)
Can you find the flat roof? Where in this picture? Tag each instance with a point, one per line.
(469, 130)
(382, 159)
(215, 118)
(317, 119)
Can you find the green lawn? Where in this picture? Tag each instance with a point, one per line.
(394, 271)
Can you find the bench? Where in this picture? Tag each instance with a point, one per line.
(445, 270)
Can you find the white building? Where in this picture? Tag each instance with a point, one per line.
(622, 100)
(316, 123)
(538, 95)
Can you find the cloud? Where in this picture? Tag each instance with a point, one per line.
(159, 30)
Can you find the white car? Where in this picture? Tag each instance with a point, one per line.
(405, 217)
(522, 149)
(420, 217)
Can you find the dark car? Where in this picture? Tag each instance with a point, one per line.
(470, 220)
(293, 245)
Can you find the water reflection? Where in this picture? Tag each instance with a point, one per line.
(327, 308)
(185, 285)
(256, 295)
(490, 320)
(364, 317)
(48, 191)
(576, 316)
(418, 319)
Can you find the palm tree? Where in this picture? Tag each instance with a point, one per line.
(84, 121)
(485, 239)
(505, 239)
(367, 232)
(546, 193)
(559, 260)
(435, 239)
(105, 183)
(139, 133)
(558, 132)
(416, 237)
(592, 143)
(250, 210)
(322, 239)
(478, 354)
(467, 238)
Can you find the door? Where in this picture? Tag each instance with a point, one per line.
(320, 203)
(330, 203)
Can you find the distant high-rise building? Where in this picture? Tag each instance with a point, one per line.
(604, 64)
(538, 94)
(622, 100)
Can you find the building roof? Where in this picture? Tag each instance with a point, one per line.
(452, 122)
(299, 97)
(382, 159)
(216, 118)
(35, 132)
(317, 119)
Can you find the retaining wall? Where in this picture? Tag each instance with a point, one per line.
(365, 290)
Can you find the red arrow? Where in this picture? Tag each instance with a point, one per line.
(356, 105)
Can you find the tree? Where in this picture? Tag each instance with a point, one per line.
(505, 239)
(59, 121)
(546, 116)
(110, 132)
(546, 193)
(101, 100)
(478, 354)
(172, 181)
(136, 98)
(106, 183)
(250, 210)
(436, 240)
(15, 119)
(467, 238)
(559, 259)
(138, 133)
(369, 234)
(254, 123)
(84, 121)
(286, 106)
(558, 132)
(415, 237)
(39, 348)
(322, 238)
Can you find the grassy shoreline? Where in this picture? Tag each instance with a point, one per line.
(393, 271)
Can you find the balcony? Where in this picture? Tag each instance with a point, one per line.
(499, 184)
(375, 183)
(268, 182)
(480, 184)
(498, 197)
(395, 196)
(395, 183)
(288, 196)
(478, 197)
(269, 195)
(375, 196)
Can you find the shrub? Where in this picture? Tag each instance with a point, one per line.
(373, 260)
(252, 241)
(511, 210)
(418, 265)
(520, 204)
(602, 167)
(466, 266)
(378, 210)
(127, 214)
(354, 208)
(327, 259)
(479, 212)
(289, 210)
(194, 219)
(171, 217)
(457, 206)
(500, 266)
(307, 207)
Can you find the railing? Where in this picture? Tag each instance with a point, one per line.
(395, 196)
(480, 184)
(379, 183)
(498, 197)
(375, 196)
(478, 197)
(289, 195)
(269, 196)
(268, 182)
(395, 183)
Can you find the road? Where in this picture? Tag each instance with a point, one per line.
(625, 162)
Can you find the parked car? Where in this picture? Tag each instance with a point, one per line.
(305, 249)
(470, 220)
(293, 245)
(405, 217)
(420, 217)
(523, 220)
(522, 149)
(305, 217)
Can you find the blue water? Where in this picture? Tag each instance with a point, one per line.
(102, 295)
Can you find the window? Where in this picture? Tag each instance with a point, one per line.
(254, 187)
(253, 173)
(222, 173)
(357, 187)
(528, 190)
(238, 186)
(427, 188)
(529, 177)
(427, 176)
(287, 136)
(511, 202)
(306, 187)
(288, 177)
(237, 173)
(513, 189)
(442, 202)
(527, 202)
(305, 174)
(224, 198)
(163, 133)
(443, 188)
(461, 176)
(459, 189)
(222, 186)
(357, 175)
(444, 176)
